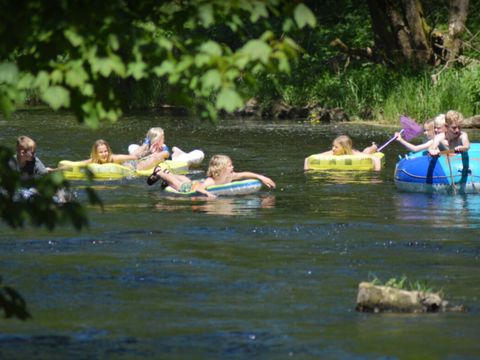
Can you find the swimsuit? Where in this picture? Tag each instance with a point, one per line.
(186, 187)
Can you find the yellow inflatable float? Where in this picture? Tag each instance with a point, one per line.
(342, 162)
(77, 170)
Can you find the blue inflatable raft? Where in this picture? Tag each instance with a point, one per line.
(458, 173)
(242, 187)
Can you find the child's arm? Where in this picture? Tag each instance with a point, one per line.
(412, 147)
(465, 143)
(120, 158)
(202, 187)
(251, 175)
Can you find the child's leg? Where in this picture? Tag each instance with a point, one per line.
(173, 180)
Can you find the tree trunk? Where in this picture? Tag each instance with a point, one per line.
(400, 30)
(457, 18)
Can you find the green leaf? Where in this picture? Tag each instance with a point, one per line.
(205, 12)
(26, 81)
(259, 10)
(56, 76)
(166, 67)
(137, 70)
(42, 80)
(108, 65)
(202, 59)
(304, 16)
(229, 100)
(211, 48)
(211, 80)
(56, 97)
(8, 73)
(76, 77)
(257, 50)
(73, 37)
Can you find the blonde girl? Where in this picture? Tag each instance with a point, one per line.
(101, 153)
(342, 145)
(429, 132)
(153, 151)
(220, 171)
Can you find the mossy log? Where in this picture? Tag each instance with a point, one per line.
(374, 298)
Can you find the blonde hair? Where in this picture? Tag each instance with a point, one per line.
(345, 143)
(154, 134)
(439, 120)
(429, 127)
(26, 143)
(453, 117)
(217, 165)
(94, 153)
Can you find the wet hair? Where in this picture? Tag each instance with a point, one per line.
(217, 165)
(345, 143)
(94, 153)
(453, 117)
(26, 143)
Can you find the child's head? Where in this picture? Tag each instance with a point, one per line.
(453, 123)
(429, 128)
(342, 145)
(155, 135)
(25, 148)
(218, 165)
(439, 123)
(101, 152)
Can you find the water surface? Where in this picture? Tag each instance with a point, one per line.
(270, 275)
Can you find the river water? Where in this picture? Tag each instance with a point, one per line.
(271, 275)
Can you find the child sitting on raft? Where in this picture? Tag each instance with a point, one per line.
(342, 145)
(153, 150)
(220, 171)
(453, 138)
(429, 130)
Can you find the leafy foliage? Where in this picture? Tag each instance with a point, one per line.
(12, 303)
(72, 53)
(36, 201)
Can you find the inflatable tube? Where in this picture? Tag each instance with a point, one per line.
(342, 162)
(77, 170)
(424, 173)
(242, 187)
(194, 157)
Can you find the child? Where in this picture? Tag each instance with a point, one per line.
(428, 131)
(25, 160)
(342, 145)
(153, 151)
(220, 171)
(102, 153)
(453, 138)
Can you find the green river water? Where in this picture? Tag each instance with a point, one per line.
(272, 275)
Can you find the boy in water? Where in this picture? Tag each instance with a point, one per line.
(25, 160)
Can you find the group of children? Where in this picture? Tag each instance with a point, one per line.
(443, 133)
(149, 154)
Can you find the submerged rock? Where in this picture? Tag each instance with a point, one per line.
(375, 298)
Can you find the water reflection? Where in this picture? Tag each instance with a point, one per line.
(227, 206)
(343, 177)
(438, 210)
